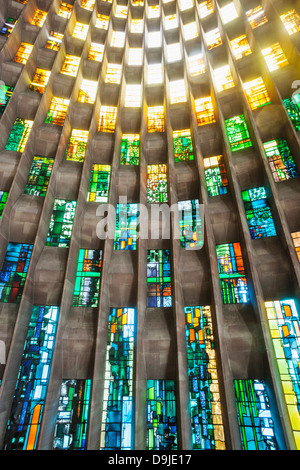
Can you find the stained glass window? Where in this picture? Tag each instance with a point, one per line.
(177, 92)
(88, 91)
(88, 4)
(205, 8)
(3, 199)
(190, 31)
(274, 57)
(130, 149)
(292, 106)
(121, 11)
(204, 111)
(14, 271)
(73, 415)
(54, 41)
(240, 47)
(183, 147)
(65, 10)
(70, 65)
(256, 93)
(39, 18)
(256, 17)
(113, 73)
(223, 78)
(96, 52)
(118, 403)
(135, 56)
(40, 80)
(196, 65)
(280, 160)
(136, 25)
(159, 278)
(238, 134)
(191, 230)
(204, 395)
(32, 384)
(8, 26)
(213, 38)
(87, 283)
(23, 53)
(161, 415)
(258, 213)
(215, 175)
(254, 415)
(156, 119)
(39, 176)
(232, 273)
(102, 21)
(99, 183)
(126, 227)
(291, 21)
(61, 223)
(296, 241)
(80, 31)
(57, 111)
(284, 324)
(171, 22)
(173, 52)
(19, 135)
(6, 92)
(77, 145)
(107, 119)
(157, 186)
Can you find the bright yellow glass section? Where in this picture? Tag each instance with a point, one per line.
(291, 21)
(80, 31)
(256, 93)
(133, 96)
(154, 74)
(39, 18)
(223, 78)
(65, 10)
(156, 119)
(88, 4)
(135, 56)
(213, 38)
(177, 92)
(113, 73)
(118, 39)
(136, 26)
(101, 21)
(107, 119)
(204, 111)
(96, 52)
(121, 11)
(57, 111)
(256, 17)
(190, 31)
(54, 41)
(40, 80)
(240, 47)
(296, 241)
(70, 65)
(23, 53)
(274, 57)
(196, 65)
(205, 8)
(88, 91)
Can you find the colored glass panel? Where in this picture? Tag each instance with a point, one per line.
(96, 52)
(126, 227)
(23, 53)
(65, 10)
(32, 383)
(223, 78)
(204, 111)
(240, 47)
(3, 199)
(204, 395)
(76, 149)
(161, 415)
(99, 183)
(39, 176)
(284, 325)
(254, 415)
(233, 281)
(183, 147)
(156, 119)
(73, 415)
(118, 403)
(40, 80)
(87, 282)
(215, 175)
(159, 278)
(274, 57)
(130, 149)
(296, 241)
(61, 223)
(39, 18)
(157, 190)
(256, 93)
(70, 65)
(8, 26)
(258, 213)
(19, 135)
(256, 17)
(291, 21)
(5, 95)
(54, 41)
(238, 134)
(14, 271)
(281, 161)
(107, 119)
(57, 111)
(191, 231)
(292, 106)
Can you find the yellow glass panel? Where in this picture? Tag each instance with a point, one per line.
(154, 74)
(204, 111)
(156, 119)
(113, 73)
(70, 65)
(80, 31)
(88, 4)
(65, 10)
(118, 39)
(39, 18)
(40, 80)
(136, 25)
(101, 21)
(96, 52)
(107, 119)
(23, 53)
(196, 65)
(223, 78)
(205, 8)
(190, 31)
(177, 92)
(291, 21)
(256, 93)
(240, 47)
(88, 91)
(274, 57)
(213, 38)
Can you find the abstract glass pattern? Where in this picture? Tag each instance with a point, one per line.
(296, 241)
(14, 271)
(3, 199)
(8, 26)
(6, 92)
(183, 147)
(280, 160)
(19, 135)
(126, 226)
(118, 403)
(204, 395)
(23, 53)
(284, 325)
(99, 183)
(161, 415)
(191, 231)
(130, 149)
(291, 21)
(77, 145)
(292, 106)
(159, 278)
(54, 41)
(32, 383)
(231, 269)
(274, 57)
(238, 134)
(96, 52)
(65, 10)
(87, 282)
(40, 80)
(157, 190)
(204, 111)
(61, 223)
(258, 213)
(73, 415)
(39, 18)
(240, 47)
(256, 17)
(156, 119)
(215, 175)
(57, 111)
(254, 415)
(107, 119)
(39, 176)
(70, 65)
(223, 78)
(256, 93)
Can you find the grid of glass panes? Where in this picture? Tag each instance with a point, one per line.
(126, 226)
(258, 213)
(292, 106)
(40, 80)
(6, 92)
(280, 159)
(238, 134)
(215, 175)
(130, 149)
(14, 271)
(77, 145)
(19, 135)
(57, 111)
(296, 241)
(204, 111)
(61, 223)
(3, 199)
(159, 290)
(99, 183)
(39, 176)
(87, 282)
(190, 224)
(183, 147)
(157, 190)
